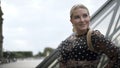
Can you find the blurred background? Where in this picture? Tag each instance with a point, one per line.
(33, 25)
(32, 29)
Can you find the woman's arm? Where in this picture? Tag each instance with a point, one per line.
(103, 45)
(63, 53)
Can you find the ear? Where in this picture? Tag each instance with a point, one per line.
(89, 16)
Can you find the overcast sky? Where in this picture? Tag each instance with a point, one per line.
(32, 25)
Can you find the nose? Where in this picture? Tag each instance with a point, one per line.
(81, 19)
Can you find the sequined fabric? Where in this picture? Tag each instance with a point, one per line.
(75, 48)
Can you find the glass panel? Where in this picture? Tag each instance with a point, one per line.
(104, 23)
(109, 19)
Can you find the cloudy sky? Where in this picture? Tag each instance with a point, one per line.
(32, 25)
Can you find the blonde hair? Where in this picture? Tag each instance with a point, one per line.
(76, 6)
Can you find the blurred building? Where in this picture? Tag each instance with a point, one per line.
(1, 36)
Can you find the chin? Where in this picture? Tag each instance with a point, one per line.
(82, 29)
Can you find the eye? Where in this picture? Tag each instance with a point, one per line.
(85, 15)
(76, 17)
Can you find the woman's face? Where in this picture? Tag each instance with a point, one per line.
(80, 19)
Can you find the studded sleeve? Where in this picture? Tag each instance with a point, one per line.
(63, 50)
(104, 45)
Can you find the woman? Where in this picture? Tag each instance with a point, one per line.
(74, 51)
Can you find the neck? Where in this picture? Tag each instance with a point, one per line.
(82, 32)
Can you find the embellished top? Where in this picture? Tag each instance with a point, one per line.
(75, 48)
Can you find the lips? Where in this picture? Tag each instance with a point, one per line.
(82, 25)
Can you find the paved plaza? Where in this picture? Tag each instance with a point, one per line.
(25, 63)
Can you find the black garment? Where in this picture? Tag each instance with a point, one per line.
(76, 48)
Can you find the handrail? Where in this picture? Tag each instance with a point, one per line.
(47, 61)
(99, 10)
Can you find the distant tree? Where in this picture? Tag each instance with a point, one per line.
(46, 52)
(17, 54)
(28, 54)
(40, 54)
(6, 54)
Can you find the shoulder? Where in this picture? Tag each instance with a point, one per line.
(97, 33)
(67, 42)
(70, 38)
